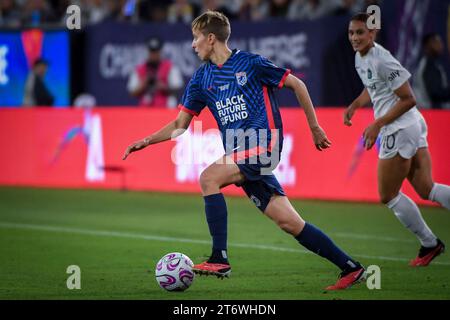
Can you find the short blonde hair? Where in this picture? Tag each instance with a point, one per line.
(213, 22)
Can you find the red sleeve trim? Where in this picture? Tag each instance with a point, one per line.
(283, 80)
(183, 108)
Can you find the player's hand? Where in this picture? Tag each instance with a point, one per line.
(348, 115)
(370, 135)
(141, 144)
(320, 138)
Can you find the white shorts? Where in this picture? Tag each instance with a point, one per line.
(405, 141)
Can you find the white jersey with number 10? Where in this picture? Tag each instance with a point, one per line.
(382, 74)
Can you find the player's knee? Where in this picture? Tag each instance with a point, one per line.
(207, 181)
(287, 226)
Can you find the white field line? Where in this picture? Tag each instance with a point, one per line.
(106, 233)
(369, 237)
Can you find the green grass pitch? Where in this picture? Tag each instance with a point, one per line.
(116, 238)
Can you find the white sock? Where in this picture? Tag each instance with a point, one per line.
(409, 215)
(440, 193)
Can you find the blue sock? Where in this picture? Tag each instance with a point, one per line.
(318, 242)
(216, 216)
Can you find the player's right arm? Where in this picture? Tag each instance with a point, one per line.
(362, 100)
(172, 130)
(191, 104)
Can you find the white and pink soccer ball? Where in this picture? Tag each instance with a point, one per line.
(174, 272)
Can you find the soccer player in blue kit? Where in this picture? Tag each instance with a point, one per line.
(238, 88)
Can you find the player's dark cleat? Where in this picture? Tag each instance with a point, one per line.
(426, 255)
(348, 279)
(221, 270)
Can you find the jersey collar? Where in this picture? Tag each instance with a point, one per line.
(233, 53)
(370, 52)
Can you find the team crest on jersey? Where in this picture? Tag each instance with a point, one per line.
(241, 78)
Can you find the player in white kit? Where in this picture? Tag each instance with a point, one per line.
(404, 151)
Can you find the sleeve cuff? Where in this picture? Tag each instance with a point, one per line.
(191, 112)
(400, 82)
(283, 79)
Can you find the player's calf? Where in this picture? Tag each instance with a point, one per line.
(440, 193)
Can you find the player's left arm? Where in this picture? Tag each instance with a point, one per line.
(406, 101)
(301, 92)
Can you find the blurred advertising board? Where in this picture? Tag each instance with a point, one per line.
(63, 148)
(18, 52)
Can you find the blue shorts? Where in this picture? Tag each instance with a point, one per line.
(258, 187)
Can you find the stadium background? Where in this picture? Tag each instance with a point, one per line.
(99, 58)
(64, 147)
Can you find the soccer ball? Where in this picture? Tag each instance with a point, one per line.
(174, 272)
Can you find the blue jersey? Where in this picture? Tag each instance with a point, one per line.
(240, 95)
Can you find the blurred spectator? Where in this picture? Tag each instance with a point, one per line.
(431, 83)
(279, 8)
(309, 9)
(370, 3)
(114, 11)
(349, 7)
(20, 13)
(129, 11)
(37, 12)
(157, 81)
(9, 14)
(181, 11)
(233, 6)
(153, 10)
(98, 10)
(59, 8)
(36, 91)
(254, 10)
(216, 5)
